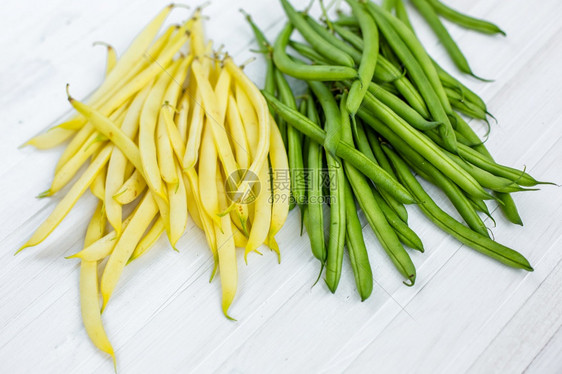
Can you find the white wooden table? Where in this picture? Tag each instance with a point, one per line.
(465, 313)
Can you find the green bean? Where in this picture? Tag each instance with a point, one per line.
(401, 108)
(376, 218)
(332, 116)
(389, 54)
(405, 234)
(313, 212)
(379, 153)
(344, 150)
(485, 163)
(294, 139)
(388, 5)
(469, 109)
(507, 205)
(409, 38)
(447, 223)
(333, 40)
(389, 88)
(385, 71)
(424, 146)
(402, 14)
(469, 95)
(322, 46)
(304, 71)
(346, 21)
(336, 238)
(363, 145)
(413, 64)
(428, 13)
(403, 85)
(349, 36)
(356, 247)
(464, 20)
(431, 173)
(483, 177)
(307, 51)
(509, 208)
(368, 59)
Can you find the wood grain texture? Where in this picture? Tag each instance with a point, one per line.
(466, 313)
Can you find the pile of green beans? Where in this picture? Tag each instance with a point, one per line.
(379, 111)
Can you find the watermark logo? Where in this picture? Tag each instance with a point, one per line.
(242, 186)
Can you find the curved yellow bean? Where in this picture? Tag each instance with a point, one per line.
(249, 119)
(89, 298)
(148, 122)
(131, 189)
(178, 209)
(74, 145)
(280, 194)
(116, 168)
(64, 206)
(226, 251)
(163, 146)
(195, 133)
(131, 56)
(105, 126)
(173, 132)
(262, 213)
(103, 246)
(207, 174)
(50, 139)
(149, 239)
(126, 244)
(111, 57)
(206, 221)
(97, 187)
(94, 143)
(238, 134)
(262, 111)
(181, 120)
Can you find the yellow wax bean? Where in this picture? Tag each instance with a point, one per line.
(64, 206)
(126, 245)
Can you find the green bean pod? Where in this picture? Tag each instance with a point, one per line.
(368, 59)
(294, 140)
(344, 150)
(423, 145)
(375, 216)
(304, 71)
(337, 228)
(307, 51)
(407, 35)
(432, 174)
(364, 147)
(313, 211)
(332, 115)
(448, 224)
(430, 16)
(405, 111)
(322, 46)
(402, 14)
(378, 152)
(405, 234)
(415, 65)
(467, 94)
(325, 34)
(348, 35)
(464, 20)
(356, 247)
(507, 205)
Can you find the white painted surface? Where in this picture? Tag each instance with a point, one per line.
(466, 312)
